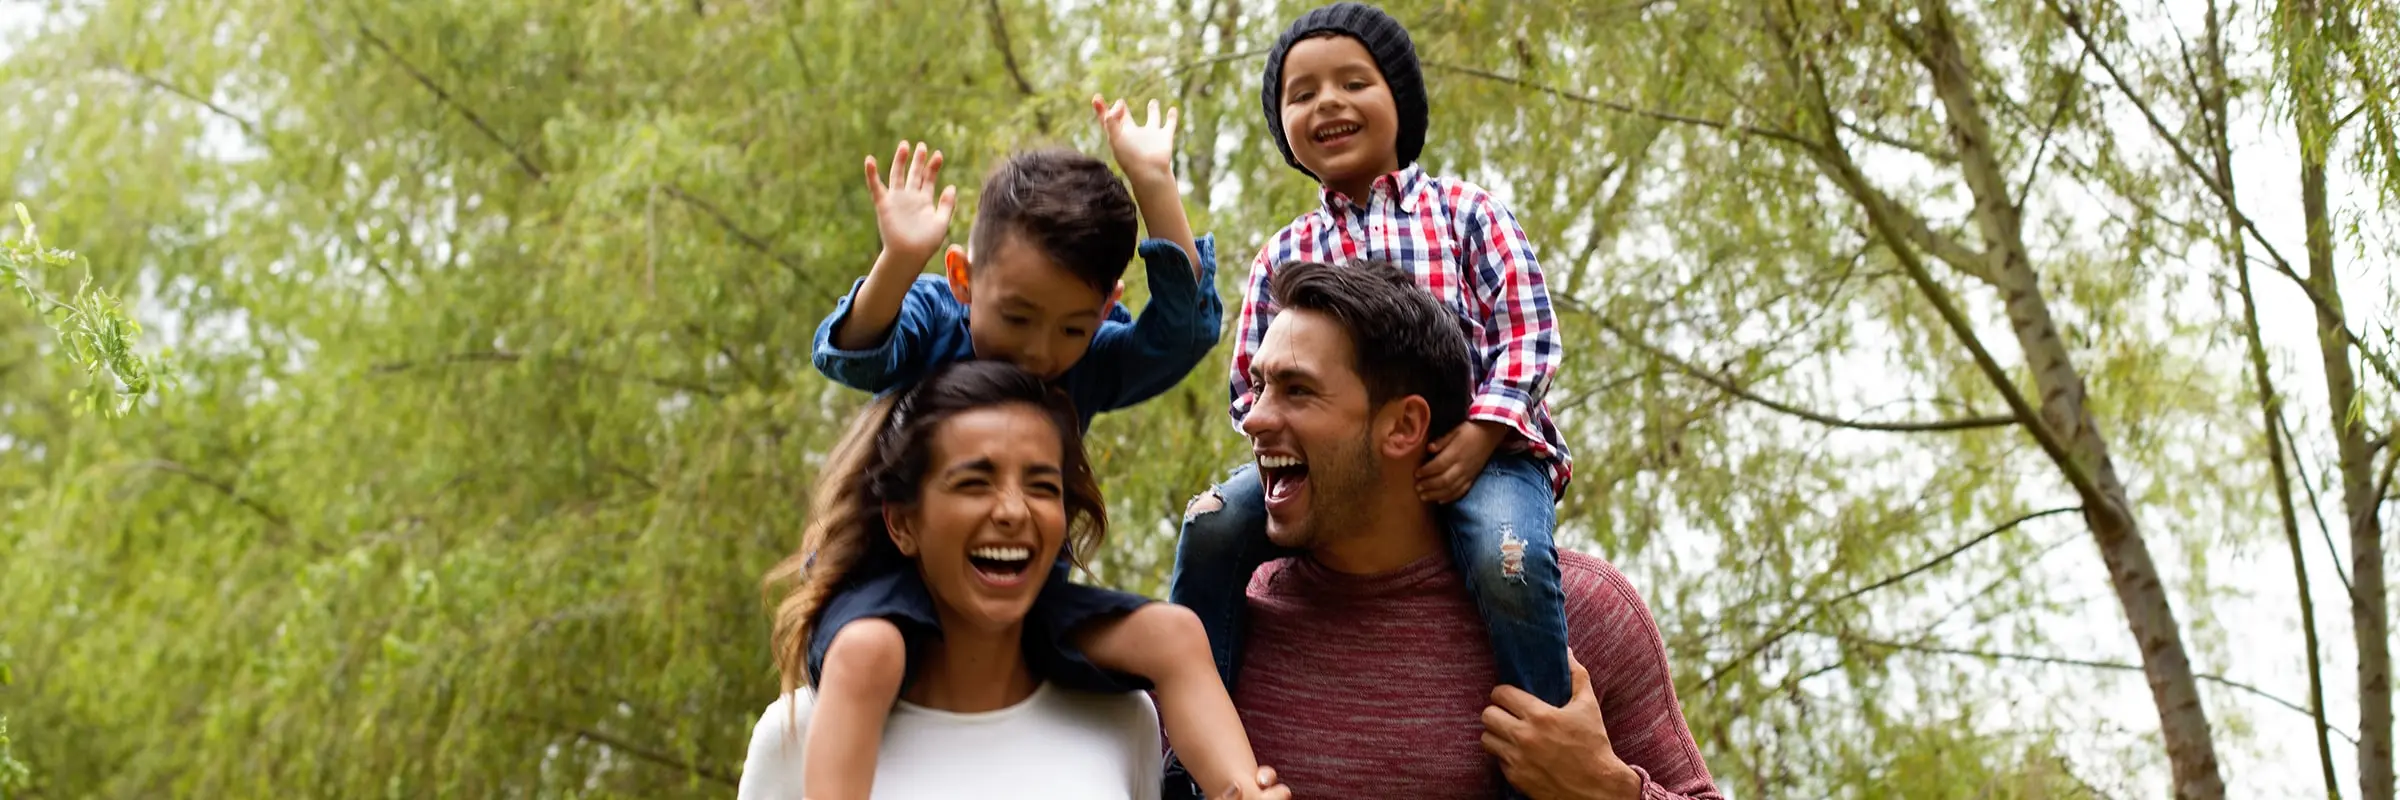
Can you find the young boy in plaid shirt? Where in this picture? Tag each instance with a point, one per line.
(1345, 98)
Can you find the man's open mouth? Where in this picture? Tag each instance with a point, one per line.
(1282, 476)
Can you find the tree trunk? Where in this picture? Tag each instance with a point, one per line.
(2367, 603)
(2183, 721)
(2213, 103)
(2370, 619)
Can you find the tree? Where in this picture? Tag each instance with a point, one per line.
(491, 318)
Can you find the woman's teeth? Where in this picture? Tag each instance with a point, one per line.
(1002, 553)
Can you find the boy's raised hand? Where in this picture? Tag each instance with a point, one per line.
(911, 219)
(1147, 146)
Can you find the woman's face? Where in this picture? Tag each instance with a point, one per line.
(990, 514)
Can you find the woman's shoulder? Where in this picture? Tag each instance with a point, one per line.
(787, 717)
(773, 766)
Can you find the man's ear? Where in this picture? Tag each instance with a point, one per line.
(954, 265)
(896, 522)
(1404, 428)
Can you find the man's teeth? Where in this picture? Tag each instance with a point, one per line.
(1002, 553)
(1278, 462)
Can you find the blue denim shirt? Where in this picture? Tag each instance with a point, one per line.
(1129, 361)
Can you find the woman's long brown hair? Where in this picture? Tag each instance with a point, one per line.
(881, 461)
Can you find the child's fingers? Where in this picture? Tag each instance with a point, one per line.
(916, 169)
(933, 169)
(949, 200)
(1171, 118)
(874, 181)
(1099, 105)
(899, 162)
(1437, 494)
(1153, 123)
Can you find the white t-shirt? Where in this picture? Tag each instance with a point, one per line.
(1058, 744)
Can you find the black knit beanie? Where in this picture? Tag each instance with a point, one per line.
(1384, 39)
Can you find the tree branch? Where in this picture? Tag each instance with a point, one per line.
(1008, 52)
(1953, 552)
(1920, 233)
(747, 238)
(2034, 167)
(2270, 408)
(248, 128)
(1946, 248)
(1937, 154)
(2383, 489)
(2108, 665)
(1205, 63)
(1728, 386)
(643, 753)
(1845, 172)
(1724, 127)
(281, 522)
(505, 357)
(2224, 194)
(1816, 608)
(524, 162)
(2324, 528)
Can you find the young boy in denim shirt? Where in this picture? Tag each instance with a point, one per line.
(1345, 99)
(1038, 287)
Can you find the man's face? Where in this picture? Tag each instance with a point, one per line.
(1312, 430)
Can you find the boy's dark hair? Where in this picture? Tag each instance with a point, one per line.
(1065, 204)
(1406, 342)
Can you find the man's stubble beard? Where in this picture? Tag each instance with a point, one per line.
(1338, 496)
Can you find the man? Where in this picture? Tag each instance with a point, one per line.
(1366, 672)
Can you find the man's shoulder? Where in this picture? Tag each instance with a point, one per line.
(1590, 579)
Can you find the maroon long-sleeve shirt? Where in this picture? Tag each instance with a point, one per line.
(1374, 686)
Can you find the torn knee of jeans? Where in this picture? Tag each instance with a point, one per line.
(1207, 502)
(1512, 555)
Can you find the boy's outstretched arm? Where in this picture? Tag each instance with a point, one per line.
(1146, 154)
(1164, 643)
(855, 694)
(912, 221)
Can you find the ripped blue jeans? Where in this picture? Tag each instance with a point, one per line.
(1500, 538)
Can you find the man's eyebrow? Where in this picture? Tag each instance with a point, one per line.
(1279, 374)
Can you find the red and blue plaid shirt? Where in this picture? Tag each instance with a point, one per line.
(1466, 249)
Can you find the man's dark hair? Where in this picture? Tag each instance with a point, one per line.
(1406, 342)
(1065, 204)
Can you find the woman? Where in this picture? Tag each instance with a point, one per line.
(975, 478)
